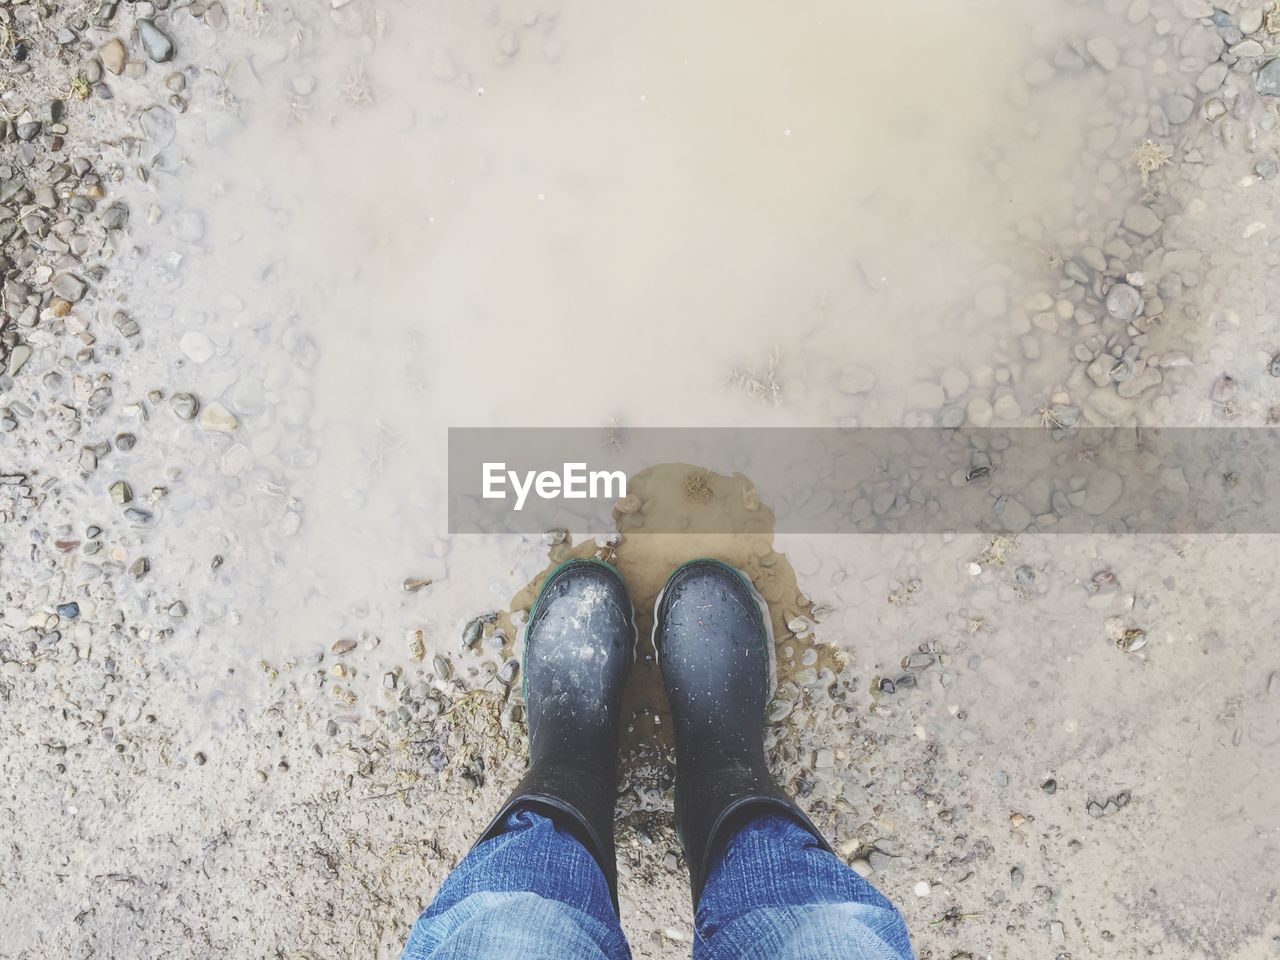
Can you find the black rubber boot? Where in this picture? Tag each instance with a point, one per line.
(577, 650)
(716, 654)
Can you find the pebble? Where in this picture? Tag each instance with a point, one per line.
(921, 889)
(1178, 108)
(955, 382)
(1007, 408)
(218, 418)
(18, 358)
(856, 379)
(184, 405)
(925, 396)
(1104, 52)
(113, 56)
(1266, 168)
(69, 287)
(1212, 77)
(1251, 20)
(1142, 220)
(1123, 301)
(1102, 492)
(68, 611)
(343, 646)
(121, 494)
(155, 42)
(26, 126)
(197, 347)
(1266, 81)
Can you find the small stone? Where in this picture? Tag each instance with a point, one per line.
(184, 405)
(1123, 302)
(218, 418)
(1178, 108)
(137, 515)
(955, 382)
(1050, 786)
(113, 56)
(69, 287)
(1223, 390)
(68, 611)
(1266, 168)
(1006, 408)
(1102, 492)
(197, 346)
(925, 396)
(441, 667)
(121, 494)
(157, 44)
(1212, 77)
(1104, 52)
(343, 646)
(507, 672)
(1247, 48)
(115, 217)
(1142, 220)
(855, 379)
(177, 610)
(921, 889)
(18, 358)
(139, 568)
(1267, 80)
(26, 126)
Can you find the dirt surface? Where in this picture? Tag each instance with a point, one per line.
(256, 701)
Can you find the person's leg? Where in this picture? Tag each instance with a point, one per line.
(765, 883)
(531, 891)
(542, 881)
(774, 893)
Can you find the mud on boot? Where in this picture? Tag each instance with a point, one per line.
(716, 655)
(577, 650)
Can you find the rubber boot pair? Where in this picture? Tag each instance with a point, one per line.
(715, 653)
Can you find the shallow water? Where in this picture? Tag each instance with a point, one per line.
(666, 216)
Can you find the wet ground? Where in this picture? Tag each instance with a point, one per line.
(253, 276)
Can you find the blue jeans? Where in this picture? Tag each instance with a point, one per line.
(533, 892)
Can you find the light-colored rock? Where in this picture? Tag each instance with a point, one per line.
(113, 54)
(1105, 53)
(218, 418)
(1142, 220)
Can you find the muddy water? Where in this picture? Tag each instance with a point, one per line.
(398, 220)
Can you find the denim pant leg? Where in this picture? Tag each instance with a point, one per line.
(532, 892)
(773, 894)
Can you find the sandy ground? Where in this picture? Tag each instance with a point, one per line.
(258, 257)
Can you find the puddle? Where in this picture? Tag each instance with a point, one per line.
(388, 226)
